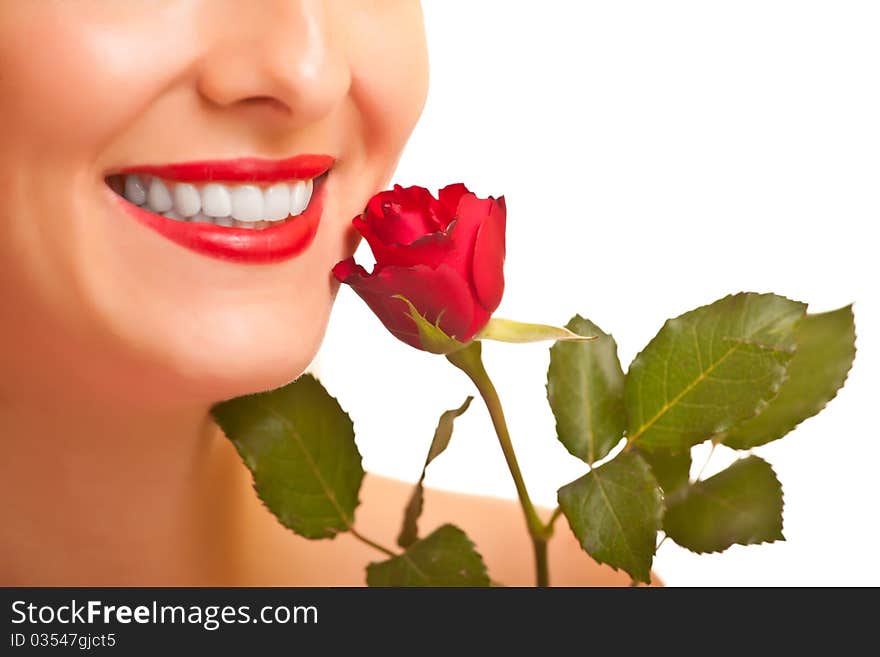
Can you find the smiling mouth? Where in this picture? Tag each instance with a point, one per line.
(247, 209)
(249, 206)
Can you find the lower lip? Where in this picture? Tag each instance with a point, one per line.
(244, 245)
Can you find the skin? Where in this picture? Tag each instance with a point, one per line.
(115, 342)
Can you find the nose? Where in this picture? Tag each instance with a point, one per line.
(275, 54)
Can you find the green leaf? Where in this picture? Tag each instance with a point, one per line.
(446, 557)
(709, 369)
(742, 504)
(615, 511)
(409, 532)
(299, 445)
(585, 391)
(825, 353)
(508, 330)
(672, 471)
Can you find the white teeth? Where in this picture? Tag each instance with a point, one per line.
(217, 221)
(216, 201)
(187, 200)
(300, 195)
(158, 198)
(247, 203)
(276, 204)
(135, 192)
(240, 206)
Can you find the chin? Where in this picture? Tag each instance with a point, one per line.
(265, 369)
(179, 368)
(249, 366)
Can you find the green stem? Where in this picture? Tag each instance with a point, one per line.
(469, 361)
(364, 539)
(542, 574)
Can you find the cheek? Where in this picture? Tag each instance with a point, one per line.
(68, 85)
(390, 76)
(70, 82)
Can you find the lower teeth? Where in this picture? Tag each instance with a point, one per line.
(226, 222)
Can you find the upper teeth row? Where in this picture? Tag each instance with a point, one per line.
(245, 203)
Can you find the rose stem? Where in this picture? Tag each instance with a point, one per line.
(469, 360)
(373, 544)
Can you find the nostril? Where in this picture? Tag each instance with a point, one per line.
(269, 102)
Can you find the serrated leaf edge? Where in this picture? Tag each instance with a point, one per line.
(330, 532)
(765, 542)
(658, 521)
(720, 434)
(403, 555)
(762, 403)
(591, 457)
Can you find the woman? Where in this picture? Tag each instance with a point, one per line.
(178, 178)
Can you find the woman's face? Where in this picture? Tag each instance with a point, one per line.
(101, 99)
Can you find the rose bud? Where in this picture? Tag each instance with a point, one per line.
(444, 255)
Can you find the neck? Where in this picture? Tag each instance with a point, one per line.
(99, 496)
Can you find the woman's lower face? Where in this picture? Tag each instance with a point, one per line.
(178, 179)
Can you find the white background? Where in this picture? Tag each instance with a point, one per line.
(655, 156)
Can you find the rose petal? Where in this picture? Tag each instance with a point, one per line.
(471, 213)
(489, 251)
(445, 255)
(347, 268)
(403, 215)
(428, 250)
(437, 214)
(450, 197)
(435, 293)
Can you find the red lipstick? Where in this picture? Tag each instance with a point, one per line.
(279, 242)
(244, 169)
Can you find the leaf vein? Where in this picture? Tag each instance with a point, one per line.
(614, 515)
(308, 457)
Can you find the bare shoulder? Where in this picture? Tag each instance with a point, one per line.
(495, 525)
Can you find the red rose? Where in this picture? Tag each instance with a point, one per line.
(445, 256)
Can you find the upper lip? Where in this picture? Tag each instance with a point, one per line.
(243, 169)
